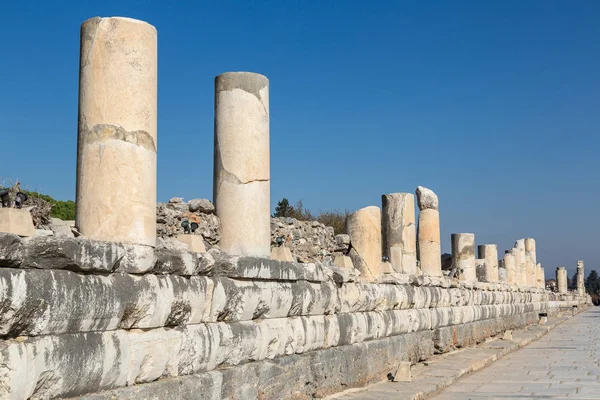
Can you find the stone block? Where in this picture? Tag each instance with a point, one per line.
(11, 250)
(282, 253)
(403, 372)
(195, 243)
(264, 268)
(507, 335)
(16, 221)
(29, 306)
(343, 262)
(80, 254)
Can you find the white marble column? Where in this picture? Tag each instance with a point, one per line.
(116, 141)
(399, 231)
(463, 256)
(364, 228)
(241, 164)
(429, 250)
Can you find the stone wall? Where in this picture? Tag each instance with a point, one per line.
(309, 241)
(80, 316)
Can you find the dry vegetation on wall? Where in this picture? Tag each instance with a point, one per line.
(335, 219)
(41, 206)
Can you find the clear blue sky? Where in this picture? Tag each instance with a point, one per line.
(493, 105)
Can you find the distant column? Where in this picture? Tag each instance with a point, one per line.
(521, 265)
(116, 140)
(561, 280)
(541, 282)
(463, 256)
(580, 278)
(364, 228)
(399, 231)
(241, 164)
(489, 252)
(481, 269)
(531, 262)
(509, 263)
(429, 250)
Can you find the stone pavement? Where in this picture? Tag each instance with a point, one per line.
(563, 364)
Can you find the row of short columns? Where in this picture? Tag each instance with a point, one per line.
(562, 279)
(116, 170)
(389, 235)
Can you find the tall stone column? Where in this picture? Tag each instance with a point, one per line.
(463, 256)
(241, 164)
(531, 262)
(116, 139)
(580, 278)
(517, 254)
(399, 231)
(521, 265)
(509, 263)
(561, 280)
(364, 228)
(489, 252)
(429, 250)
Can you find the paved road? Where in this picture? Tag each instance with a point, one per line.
(564, 364)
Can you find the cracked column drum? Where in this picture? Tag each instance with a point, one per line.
(580, 278)
(463, 256)
(116, 147)
(561, 280)
(241, 171)
(521, 263)
(489, 252)
(428, 232)
(531, 262)
(509, 263)
(364, 228)
(399, 231)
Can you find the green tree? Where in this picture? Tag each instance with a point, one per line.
(283, 209)
(592, 283)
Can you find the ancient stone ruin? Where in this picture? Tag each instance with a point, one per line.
(121, 314)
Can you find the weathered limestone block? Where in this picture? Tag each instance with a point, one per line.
(11, 250)
(30, 306)
(509, 264)
(463, 256)
(235, 300)
(580, 278)
(85, 255)
(61, 366)
(561, 280)
(489, 252)
(116, 157)
(195, 243)
(399, 231)
(16, 221)
(241, 164)
(264, 268)
(177, 261)
(364, 228)
(282, 253)
(343, 262)
(429, 250)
